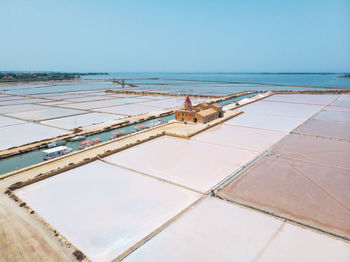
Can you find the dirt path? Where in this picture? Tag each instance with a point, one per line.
(25, 238)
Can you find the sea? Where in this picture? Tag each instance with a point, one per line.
(331, 80)
(210, 84)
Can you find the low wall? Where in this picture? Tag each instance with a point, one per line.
(70, 166)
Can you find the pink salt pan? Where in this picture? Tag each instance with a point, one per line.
(297, 244)
(337, 109)
(325, 128)
(241, 137)
(105, 210)
(344, 100)
(270, 122)
(282, 109)
(312, 194)
(215, 230)
(304, 99)
(318, 149)
(343, 116)
(197, 165)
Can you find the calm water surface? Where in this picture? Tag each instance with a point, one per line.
(317, 79)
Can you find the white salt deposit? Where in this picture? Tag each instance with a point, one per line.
(304, 99)
(282, 109)
(22, 101)
(81, 120)
(6, 121)
(95, 104)
(215, 230)
(168, 103)
(18, 135)
(190, 163)
(240, 137)
(45, 114)
(103, 209)
(20, 108)
(129, 110)
(271, 122)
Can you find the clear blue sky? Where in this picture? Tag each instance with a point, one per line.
(175, 36)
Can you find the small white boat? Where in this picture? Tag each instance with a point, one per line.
(56, 143)
(77, 138)
(56, 152)
(156, 123)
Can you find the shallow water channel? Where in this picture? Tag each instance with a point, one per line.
(34, 157)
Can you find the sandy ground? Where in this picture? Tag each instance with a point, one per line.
(25, 238)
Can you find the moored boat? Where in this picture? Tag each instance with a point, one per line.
(85, 144)
(56, 143)
(56, 152)
(118, 134)
(77, 138)
(156, 123)
(140, 127)
(96, 140)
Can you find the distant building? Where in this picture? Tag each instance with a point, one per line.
(201, 113)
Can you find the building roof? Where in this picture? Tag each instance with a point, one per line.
(207, 112)
(216, 105)
(203, 104)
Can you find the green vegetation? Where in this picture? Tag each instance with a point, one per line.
(79, 255)
(49, 76)
(344, 76)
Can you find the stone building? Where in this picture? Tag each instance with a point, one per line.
(201, 113)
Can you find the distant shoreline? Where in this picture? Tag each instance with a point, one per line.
(116, 81)
(38, 82)
(49, 82)
(344, 76)
(13, 77)
(221, 82)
